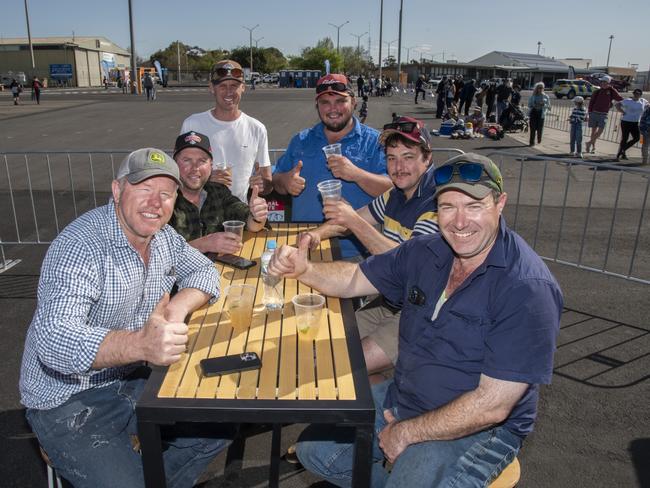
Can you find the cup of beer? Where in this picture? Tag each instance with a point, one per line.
(240, 300)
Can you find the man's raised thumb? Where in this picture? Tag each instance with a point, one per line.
(254, 193)
(297, 168)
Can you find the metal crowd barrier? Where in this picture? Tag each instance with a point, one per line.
(586, 215)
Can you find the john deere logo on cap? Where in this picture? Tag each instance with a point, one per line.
(156, 157)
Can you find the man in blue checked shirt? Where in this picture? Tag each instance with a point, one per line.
(407, 210)
(103, 310)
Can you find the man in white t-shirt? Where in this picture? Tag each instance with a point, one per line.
(237, 139)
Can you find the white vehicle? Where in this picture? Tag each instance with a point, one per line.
(433, 84)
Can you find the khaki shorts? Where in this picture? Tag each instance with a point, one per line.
(378, 322)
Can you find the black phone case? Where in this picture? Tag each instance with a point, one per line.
(230, 364)
(231, 260)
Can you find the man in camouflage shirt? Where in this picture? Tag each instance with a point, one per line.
(203, 206)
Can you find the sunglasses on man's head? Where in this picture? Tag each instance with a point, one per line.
(337, 86)
(222, 72)
(469, 172)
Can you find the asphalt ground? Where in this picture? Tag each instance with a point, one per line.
(593, 426)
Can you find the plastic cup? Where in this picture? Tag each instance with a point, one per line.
(234, 227)
(330, 189)
(220, 166)
(239, 305)
(309, 311)
(332, 150)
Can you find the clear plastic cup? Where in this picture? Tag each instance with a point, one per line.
(234, 227)
(240, 300)
(309, 312)
(220, 165)
(332, 149)
(330, 189)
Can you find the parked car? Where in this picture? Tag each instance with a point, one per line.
(571, 88)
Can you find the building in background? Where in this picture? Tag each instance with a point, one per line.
(69, 61)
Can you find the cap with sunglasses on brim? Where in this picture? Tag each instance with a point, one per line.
(469, 173)
(146, 163)
(412, 129)
(226, 69)
(334, 83)
(193, 139)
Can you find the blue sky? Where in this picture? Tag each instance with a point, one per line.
(463, 30)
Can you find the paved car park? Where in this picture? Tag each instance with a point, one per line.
(593, 427)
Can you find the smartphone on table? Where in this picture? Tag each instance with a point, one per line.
(231, 260)
(245, 361)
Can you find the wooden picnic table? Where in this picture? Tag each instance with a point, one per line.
(320, 381)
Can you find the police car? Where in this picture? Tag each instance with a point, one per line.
(571, 88)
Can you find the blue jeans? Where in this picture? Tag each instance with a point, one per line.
(576, 138)
(89, 440)
(471, 461)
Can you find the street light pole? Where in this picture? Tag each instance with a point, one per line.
(134, 64)
(338, 31)
(610, 48)
(359, 36)
(389, 45)
(29, 37)
(250, 43)
(178, 56)
(539, 44)
(381, 26)
(399, 45)
(258, 40)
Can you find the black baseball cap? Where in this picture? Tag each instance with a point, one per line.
(193, 139)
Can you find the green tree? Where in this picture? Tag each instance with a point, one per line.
(265, 60)
(314, 57)
(355, 62)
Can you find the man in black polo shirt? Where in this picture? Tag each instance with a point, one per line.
(480, 319)
(203, 206)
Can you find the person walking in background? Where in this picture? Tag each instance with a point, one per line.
(632, 109)
(363, 111)
(458, 88)
(419, 88)
(147, 84)
(576, 119)
(490, 95)
(480, 95)
(599, 105)
(515, 99)
(504, 91)
(441, 92)
(16, 89)
(644, 128)
(360, 84)
(538, 105)
(451, 92)
(466, 96)
(36, 90)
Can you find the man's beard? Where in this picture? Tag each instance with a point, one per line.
(338, 127)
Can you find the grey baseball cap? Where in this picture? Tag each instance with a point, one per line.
(145, 163)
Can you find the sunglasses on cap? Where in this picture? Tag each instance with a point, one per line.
(337, 86)
(223, 72)
(406, 127)
(468, 172)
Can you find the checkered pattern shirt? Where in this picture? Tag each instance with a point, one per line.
(93, 282)
(219, 206)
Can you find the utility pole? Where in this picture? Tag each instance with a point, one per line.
(250, 42)
(338, 32)
(134, 64)
(368, 41)
(29, 37)
(359, 36)
(178, 55)
(539, 44)
(610, 49)
(399, 45)
(381, 25)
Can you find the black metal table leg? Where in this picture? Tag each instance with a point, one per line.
(152, 456)
(274, 472)
(362, 455)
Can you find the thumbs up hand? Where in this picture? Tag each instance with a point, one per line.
(256, 179)
(257, 205)
(162, 342)
(295, 183)
(290, 262)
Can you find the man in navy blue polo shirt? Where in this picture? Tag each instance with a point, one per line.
(405, 211)
(480, 318)
(361, 166)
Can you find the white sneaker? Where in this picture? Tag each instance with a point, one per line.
(579, 155)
